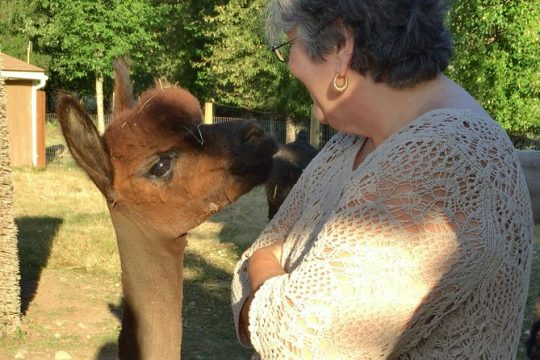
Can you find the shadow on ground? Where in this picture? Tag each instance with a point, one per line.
(35, 237)
(208, 323)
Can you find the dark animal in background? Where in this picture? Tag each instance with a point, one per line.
(289, 162)
(530, 163)
(533, 350)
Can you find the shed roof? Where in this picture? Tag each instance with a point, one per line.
(12, 64)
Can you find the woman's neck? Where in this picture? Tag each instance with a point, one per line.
(376, 111)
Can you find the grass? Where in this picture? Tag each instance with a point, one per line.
(70, 269)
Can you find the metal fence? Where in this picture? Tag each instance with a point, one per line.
(52, 118)
(278, 129)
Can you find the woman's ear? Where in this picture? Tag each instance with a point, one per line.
(345, 50)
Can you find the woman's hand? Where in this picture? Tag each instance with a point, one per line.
(264, 264)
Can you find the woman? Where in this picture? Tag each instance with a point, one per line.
(409, 235)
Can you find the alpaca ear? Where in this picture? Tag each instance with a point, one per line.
(85, 144)
(123, 89)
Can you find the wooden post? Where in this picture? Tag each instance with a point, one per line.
(41, 153)
(290, 131)
(99, 102)
(208, 112)
(314, 130)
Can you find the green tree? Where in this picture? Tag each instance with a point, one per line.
(13, 40)
(182, 38)
(497, 59)
(238, 69)
(85, 36)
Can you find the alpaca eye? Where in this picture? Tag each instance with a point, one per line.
(163, 167)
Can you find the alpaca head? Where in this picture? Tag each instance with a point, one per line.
(158, 165)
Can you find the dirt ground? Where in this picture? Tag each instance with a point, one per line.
(71, 313)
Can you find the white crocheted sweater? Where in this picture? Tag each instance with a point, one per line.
(422, 252)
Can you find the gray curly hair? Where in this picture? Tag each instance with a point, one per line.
(397, 42)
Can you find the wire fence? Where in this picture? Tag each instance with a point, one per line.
(53, 118)
(276, 128)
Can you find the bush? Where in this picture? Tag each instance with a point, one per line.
(497, 59)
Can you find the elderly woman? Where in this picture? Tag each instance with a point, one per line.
(409, 235)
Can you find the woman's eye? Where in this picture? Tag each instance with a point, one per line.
(163, 167)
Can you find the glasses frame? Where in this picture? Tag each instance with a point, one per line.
(277, 52)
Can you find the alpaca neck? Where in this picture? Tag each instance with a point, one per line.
(152, 281)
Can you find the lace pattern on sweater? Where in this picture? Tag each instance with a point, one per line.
(423, 251)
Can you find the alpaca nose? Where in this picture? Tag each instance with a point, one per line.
(251, 133)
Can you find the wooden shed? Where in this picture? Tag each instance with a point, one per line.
(25, 111)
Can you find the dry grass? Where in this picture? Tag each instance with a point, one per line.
(63, 197)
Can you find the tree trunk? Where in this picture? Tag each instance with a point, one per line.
(99, 103)
(10, 294)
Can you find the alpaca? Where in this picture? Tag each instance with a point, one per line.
(162, 173)
(533, 342)
(289, 162)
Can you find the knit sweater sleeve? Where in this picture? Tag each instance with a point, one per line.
(405, 246)
(277, 229)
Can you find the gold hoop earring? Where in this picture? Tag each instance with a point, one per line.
(341, 89)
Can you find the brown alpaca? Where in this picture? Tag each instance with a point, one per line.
(162, 173)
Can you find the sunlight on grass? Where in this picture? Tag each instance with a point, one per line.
(85, 238)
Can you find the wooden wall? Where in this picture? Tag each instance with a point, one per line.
(19, 115)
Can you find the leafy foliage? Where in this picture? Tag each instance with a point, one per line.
(181, 29)
(497, 59)
(85, 36)
(240, 70)
(13, 40)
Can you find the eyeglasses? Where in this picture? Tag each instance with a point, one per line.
(282, 50)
